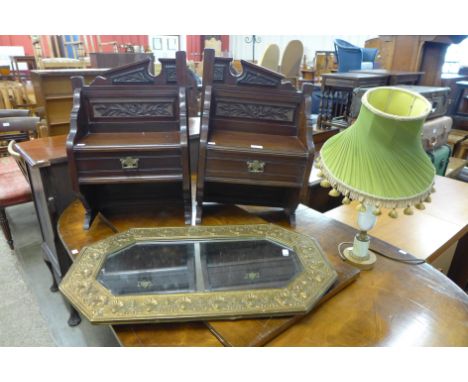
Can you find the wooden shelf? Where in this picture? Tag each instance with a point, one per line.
(129, 141)
(59, 97)
(125, 179)
(228, 140)
(59, 123)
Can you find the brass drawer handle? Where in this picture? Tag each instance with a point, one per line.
(255, 166)
(129, 162)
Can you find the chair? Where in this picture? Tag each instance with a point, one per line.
(271, 57)
(291, 60)
(351, 57)
(14, 126)
(14, 188)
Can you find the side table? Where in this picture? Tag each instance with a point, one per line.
(52, 192)
(395, 77)
(337, 94)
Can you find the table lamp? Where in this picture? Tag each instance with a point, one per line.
(380, 162)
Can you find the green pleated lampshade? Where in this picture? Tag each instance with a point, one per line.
(380, 160)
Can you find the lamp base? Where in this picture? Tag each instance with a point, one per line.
(365, 263)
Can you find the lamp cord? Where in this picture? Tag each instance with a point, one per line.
(400, 260)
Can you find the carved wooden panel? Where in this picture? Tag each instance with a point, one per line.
(133, 109)
(139, 76)
(254, 111)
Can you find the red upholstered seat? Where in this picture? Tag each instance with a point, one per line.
(14, 189)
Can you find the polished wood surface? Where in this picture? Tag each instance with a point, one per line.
(255, 332)
(395, 77)
(428, 233)
(393, 304)
(248, 141)
(43, 151)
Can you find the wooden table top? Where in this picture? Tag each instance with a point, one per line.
(43, 152)
(428, 233)
(354, 75)
(393, 304)
(388, 72)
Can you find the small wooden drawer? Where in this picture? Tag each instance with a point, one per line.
(254, 168)
(128, 163)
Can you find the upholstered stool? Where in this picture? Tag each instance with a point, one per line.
(14, 189)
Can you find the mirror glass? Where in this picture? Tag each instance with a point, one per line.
(199, 266)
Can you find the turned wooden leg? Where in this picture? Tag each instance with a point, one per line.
(89, 218)
(6, 227)
(54, 287)
(188, 212)
(291, 216)
(198, 214)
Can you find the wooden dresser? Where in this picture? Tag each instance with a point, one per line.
(54, 93)
(255, 145)
(128, 142)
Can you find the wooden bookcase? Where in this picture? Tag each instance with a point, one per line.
(53, 89)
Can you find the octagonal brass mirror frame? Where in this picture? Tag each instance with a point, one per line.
(98, 305)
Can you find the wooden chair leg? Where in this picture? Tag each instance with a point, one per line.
(198, 213)
(54, 286)
(6, 227)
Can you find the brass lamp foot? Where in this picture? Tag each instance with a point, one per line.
(365, 263)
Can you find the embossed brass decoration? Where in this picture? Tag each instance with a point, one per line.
(255, 166)
(312, 278)
(129, 163)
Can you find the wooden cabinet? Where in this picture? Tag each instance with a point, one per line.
(255, 145)
(425, 53)
(128, 142)
(113, 60)
(53, 89)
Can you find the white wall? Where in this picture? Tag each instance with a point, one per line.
(7, 51)
(241, 50)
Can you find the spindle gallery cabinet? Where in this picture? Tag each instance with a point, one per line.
(128, 142)
(255, 145)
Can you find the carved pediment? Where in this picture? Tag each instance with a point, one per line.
(139, 76)
(251, 77)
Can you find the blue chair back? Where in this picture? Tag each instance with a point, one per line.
(351, 57)
(348, 56)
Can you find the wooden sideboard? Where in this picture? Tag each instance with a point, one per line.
(54, 93)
